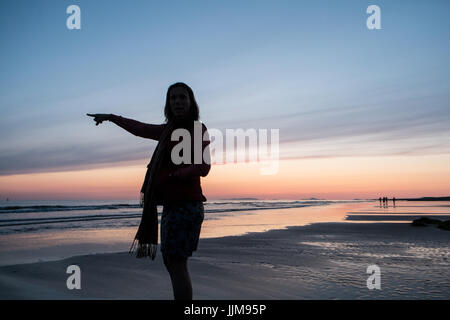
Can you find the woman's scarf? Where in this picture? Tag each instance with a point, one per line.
(147, 234)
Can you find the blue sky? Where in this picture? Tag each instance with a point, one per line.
(310, 68)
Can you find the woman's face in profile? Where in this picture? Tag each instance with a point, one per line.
(179, 102)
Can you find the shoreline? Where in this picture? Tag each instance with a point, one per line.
(56, 245)
(316, 261)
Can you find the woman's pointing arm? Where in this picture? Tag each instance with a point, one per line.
(137, 128)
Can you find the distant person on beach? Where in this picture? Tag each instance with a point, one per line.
(174, 186)
(393, 201)
(380, 200)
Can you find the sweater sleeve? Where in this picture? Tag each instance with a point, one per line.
(139, 129)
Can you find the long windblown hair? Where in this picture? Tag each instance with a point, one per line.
(194, 113)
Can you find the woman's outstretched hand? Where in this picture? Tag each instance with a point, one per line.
(100, 117)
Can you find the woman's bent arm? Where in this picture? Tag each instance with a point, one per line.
(140, 129)
(197, 170)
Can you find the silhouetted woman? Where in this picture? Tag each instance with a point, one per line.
(174, 185)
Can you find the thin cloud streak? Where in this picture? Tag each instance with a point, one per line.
(54, 159)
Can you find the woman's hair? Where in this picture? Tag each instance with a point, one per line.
(193, 109)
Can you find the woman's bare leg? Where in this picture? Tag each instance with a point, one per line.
(179, 275)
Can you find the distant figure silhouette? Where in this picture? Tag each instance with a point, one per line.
(385, 201)
(380, 201)
(175, 186)
(393, 201)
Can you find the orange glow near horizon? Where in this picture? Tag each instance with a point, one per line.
(328, 178)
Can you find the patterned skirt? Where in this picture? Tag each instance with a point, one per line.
(181, 222)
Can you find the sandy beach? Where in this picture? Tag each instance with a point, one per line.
(302, 148)
(316, 261)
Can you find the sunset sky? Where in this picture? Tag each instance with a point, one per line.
(361, 113)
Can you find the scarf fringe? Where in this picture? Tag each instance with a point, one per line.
(149, 219)
(144, 250)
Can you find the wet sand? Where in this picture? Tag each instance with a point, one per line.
(317, 261)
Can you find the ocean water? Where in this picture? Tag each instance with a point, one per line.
(45, 215)
(43, 230)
